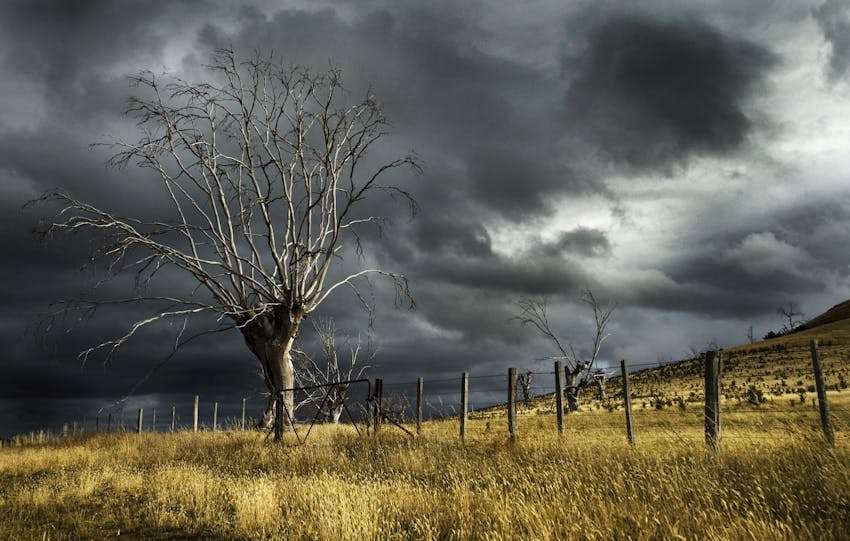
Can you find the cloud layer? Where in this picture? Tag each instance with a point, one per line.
(689, 163)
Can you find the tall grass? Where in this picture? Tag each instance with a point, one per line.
(766, 483)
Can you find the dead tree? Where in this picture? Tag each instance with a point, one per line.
(578, 368)
(524, 382)
(791, 315)
(330, 369)
(266, 172)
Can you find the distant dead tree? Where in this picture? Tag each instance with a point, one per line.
(791, 316)
(524, 382)
(578, 369)
(266, 173)
(328, 368)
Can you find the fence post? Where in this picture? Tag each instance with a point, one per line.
(215, 416)
(712, 400)
(279, 417)
(153, 420)
(464, 403)
(139, 420)
(243, 413)
(512, 429)
(823, 405)
(109, 422)
(419, 386)
(627, 403)
(173, 418)
(195, 414)
(559, 398)
(97, 424)
(379, 403)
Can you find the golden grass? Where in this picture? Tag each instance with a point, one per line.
(773, 479)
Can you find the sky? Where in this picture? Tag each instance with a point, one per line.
(685, 160)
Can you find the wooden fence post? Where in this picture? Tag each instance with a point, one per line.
(195, 414)
(379, 403)
(215, 416)
(243, 413)
(512, 428)
(419, 386)
(173, 418)
(823, 405)
(559, 398)
(153, 420)
(279, 417)
(139, 420)
(712, 400)
(464, 403)
(627, 403)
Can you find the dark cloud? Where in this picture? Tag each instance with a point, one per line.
(833, 17)
(509, 126)
(652, 93)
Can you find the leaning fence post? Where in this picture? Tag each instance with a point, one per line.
(512, 429)
(215, 416)
(243, 413)
(823, 405)
(559, 398)
(627, 403)
(195, 414)
(419, 386)
(379, 403)
(464, 403)
(139, 420)
(173, 418)
(712, 400)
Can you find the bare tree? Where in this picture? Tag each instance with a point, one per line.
(791, 315)
(329, 369)
(266, 171)
(525, 381)
(577, 368)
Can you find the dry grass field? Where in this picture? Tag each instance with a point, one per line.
(773, 478)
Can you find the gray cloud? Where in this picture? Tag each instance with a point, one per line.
(651, 93)
(833, 17)
(524, 122)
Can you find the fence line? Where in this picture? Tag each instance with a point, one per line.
(383, 407)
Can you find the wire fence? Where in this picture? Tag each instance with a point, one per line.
(477, 401)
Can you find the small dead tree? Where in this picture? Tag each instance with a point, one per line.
(600, 378)
(329, 369)
(524, 382)
(577, 368)
(791, 316)
(265, 171)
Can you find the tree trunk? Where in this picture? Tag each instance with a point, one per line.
(572, 390)
(272, 344)
(335, 413)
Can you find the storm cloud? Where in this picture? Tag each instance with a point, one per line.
(688, 162)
